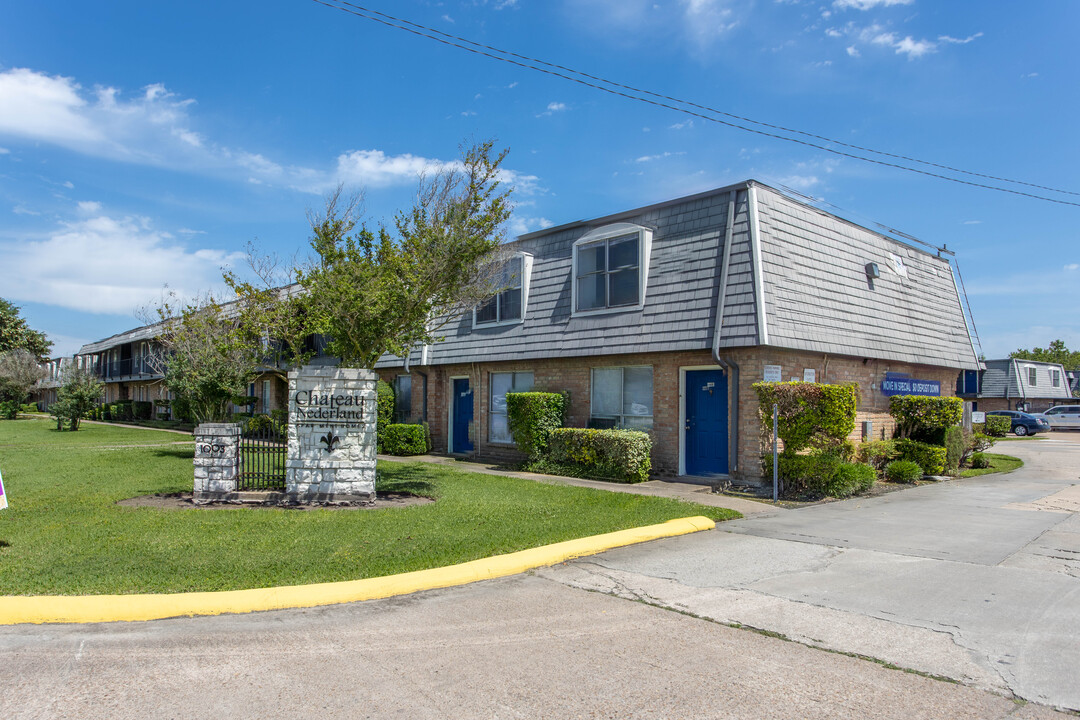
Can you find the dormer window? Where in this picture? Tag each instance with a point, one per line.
(611, 266)
(508, 306)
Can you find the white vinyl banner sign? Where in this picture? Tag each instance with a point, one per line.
(3, 497)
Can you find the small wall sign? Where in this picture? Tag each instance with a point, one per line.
(772, 373)
(898, 384)
(978, 417)
(809, 375)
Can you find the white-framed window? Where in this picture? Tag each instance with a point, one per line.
(623, 397)
(507, 307)
(1033, 376)
(500, 385)
(402, 398)
(1055, 378)
(266, 396)
(611, 267)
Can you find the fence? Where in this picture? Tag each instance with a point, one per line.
(262, 459)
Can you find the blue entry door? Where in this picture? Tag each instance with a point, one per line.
(462, 414)
(706, 424)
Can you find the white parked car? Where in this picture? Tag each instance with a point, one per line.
(1062, 417)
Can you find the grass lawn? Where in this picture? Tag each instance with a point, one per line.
(64, 534)
(998, 463)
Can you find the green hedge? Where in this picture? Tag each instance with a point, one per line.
(931, 458)
(925, 418)
(531, 417)
(9, 410)
(903, 471)
(141, 409)
(957, 440)
(823, 473)
(998, 425)
(621, 455)
(384, 406)
(877, 453)
(400, 439)
(810, 415)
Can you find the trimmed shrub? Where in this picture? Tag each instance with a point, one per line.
(257, 424)
(877, 453)
(384, 406)
(29, 408)
(931, 458)
(849, 479)
(9, 410)
(955, 449)
(903, 471)
(925, 418)
(122, 410)
(810, 415)
(141, 409)
(399, 439)
(532, 416)
(998, 425)
(979, 461)
(621, 455)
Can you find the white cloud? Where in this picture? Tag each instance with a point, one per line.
(23, 210)
(914, 48)
(659, 156)
(959, 41)
(800, 182)
(853, 51)
(1072, 266)
(89, 207)
(154, 128)
(520, 225)
(972, 222)
(69, 185)
(4, 151)
(867, 4)
(101, 264)
(706, 20)
(681, 125)
(447, 18)
(552, 108)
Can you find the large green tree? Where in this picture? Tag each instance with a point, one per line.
(15, 334)
(376, 291)
(79, 394)
(19, 372)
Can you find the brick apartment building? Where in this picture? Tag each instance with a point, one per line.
(663, 317)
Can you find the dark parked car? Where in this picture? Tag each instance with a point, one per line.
(1022, 423)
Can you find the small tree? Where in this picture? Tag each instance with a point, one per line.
(925, 418)
(204, 358)
(76, 397)
(19, 372)
(373, 292)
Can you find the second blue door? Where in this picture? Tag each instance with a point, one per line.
(462, 414)
(706, 424)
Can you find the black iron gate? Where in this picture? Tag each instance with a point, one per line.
(262, 458)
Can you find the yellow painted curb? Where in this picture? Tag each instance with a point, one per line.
(113, 608)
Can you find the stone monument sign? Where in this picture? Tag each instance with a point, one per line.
(331, 455)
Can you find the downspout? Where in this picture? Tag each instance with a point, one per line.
(729, 366)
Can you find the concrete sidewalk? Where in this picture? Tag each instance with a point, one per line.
(691, 492)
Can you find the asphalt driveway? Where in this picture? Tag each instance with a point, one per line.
(976, 580)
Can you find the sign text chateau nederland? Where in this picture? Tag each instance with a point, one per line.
(314, 408)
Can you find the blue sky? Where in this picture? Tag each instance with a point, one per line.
(144, 144)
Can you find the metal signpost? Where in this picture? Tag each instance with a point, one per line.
(775, 458)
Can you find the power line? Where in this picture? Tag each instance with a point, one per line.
(664, 101)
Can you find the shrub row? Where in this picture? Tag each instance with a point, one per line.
(402, 439)
(997, 425)
(823, 472)
(621, 455)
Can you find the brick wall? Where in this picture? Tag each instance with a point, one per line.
(574, 376)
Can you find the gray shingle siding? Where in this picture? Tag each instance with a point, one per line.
(1007, 378)
(739, 328)
(680, 297)
(817, 296)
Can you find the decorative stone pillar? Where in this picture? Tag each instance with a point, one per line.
(217, 461)
(331, 435)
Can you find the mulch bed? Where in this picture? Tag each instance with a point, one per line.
(182, 501)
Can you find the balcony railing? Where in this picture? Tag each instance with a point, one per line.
(138, 367)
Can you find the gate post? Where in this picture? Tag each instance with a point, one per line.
(217, 461)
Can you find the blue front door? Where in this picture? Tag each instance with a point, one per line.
(462, 400)
(706, 424)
